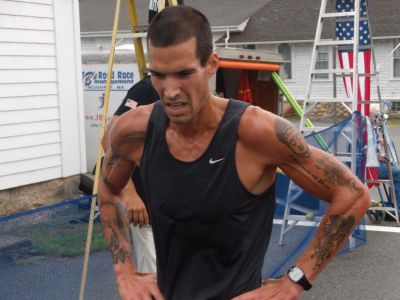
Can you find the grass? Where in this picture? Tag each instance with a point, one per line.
(393, 122)
(68, 240)
(65, 240)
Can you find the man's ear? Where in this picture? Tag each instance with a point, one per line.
(213, 64)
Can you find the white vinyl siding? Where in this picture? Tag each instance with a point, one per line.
(33, 146)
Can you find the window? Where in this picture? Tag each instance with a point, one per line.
(286, 51)
(322, 62)
(396, 59)
(249, 46)
(395, 106)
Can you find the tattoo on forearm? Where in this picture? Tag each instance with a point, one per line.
(288, 135)
(335, 230)
(123, 221)
(117, 252)
(334, 175)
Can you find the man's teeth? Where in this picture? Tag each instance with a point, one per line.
(176, 105)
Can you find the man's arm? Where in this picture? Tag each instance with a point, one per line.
(136, 210)
(322, 175)
(119, 162)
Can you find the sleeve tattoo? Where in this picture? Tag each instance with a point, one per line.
(336, 227)
(334, 173)
(335, 230)
(118, 246)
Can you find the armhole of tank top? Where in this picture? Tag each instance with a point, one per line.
(150, 128)
(239, 114)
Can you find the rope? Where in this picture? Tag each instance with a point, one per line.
(100, 150)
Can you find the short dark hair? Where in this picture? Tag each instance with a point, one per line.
(177, 24)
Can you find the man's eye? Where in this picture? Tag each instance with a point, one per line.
(184, 74)
(157, 75)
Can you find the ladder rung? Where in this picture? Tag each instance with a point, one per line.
(385, 208)
(317, 100)
(332, 71)
(334, 43)
(341, 72)
(379, 181)
(344, 159)
(316, 128)
(338, 14)
(130, 35)
(360, 75)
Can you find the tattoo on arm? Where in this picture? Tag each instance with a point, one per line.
(123, 221)
(108, 165)
(288, 135)
(334, 175)
(119, 252)
(335, 230)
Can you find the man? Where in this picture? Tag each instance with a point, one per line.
(209, 165)
(383, 171)
(141, 93)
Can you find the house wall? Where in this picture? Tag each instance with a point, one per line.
(41, 104)
(301, 58)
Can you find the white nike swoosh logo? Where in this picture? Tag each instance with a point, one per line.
(211, 161)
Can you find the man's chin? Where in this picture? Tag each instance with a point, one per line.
(179, 120)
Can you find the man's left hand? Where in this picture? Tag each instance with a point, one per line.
(282, 289)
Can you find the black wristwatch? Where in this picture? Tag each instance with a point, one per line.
(297, 276)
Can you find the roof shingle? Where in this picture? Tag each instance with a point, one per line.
(288, 20)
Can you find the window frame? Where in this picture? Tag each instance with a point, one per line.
(291, 61)
(396, 58)
(329, 60)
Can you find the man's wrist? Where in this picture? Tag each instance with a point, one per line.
(297, 276)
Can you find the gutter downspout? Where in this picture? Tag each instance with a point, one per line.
(227, 37)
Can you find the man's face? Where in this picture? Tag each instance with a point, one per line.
(180, 80)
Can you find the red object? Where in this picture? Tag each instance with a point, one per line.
(244, 91)
(364, 91)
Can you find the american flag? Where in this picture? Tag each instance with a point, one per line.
(345, 32)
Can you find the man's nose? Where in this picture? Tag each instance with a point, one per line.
(171, 88)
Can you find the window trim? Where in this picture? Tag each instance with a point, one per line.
(330, 63)
(292, 61)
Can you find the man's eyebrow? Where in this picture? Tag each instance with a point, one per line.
(179, 72)
(154, 71)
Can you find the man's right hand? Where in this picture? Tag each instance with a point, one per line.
(139, 286)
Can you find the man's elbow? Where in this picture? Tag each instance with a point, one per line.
(363, 202)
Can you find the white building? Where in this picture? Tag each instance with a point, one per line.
(281, 25)
(41, 103)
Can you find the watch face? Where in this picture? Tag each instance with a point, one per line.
(295, 274)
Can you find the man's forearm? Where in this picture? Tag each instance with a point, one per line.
(333, 231)
(115, 221)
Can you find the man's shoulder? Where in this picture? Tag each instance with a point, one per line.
(257, 120)
(133, 122)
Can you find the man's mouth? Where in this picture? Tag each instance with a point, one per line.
(175, 105)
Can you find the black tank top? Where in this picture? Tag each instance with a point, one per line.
(210, 232)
